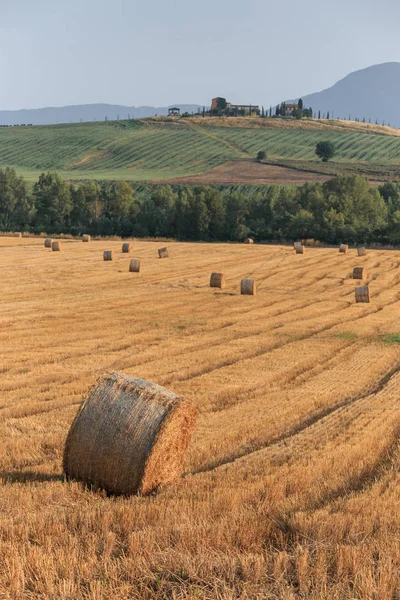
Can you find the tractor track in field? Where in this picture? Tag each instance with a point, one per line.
(307, 423)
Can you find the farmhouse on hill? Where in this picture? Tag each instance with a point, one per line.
(221, 107)
(290, 109)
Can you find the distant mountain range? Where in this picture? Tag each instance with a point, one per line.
(85, 112)
(372, 93)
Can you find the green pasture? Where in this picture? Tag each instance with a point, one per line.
(150, 151)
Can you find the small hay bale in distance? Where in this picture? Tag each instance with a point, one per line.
(343, 248)
(134, 266)
(107, 255)
(48, 242)
(359, 273)
(56, 246)
(127, 247)
(218, 280)
(298, 246)
(86, 238)
(163, 253)
(248, 241)
(130, 436)
(361, 251)
(248, 287)
(17, 234)
(362, 293)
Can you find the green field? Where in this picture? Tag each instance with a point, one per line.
(152, 150)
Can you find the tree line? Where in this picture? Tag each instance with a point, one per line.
(345, 208)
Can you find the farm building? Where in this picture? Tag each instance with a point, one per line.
(234, 110)
(290, 108)
(174, 111)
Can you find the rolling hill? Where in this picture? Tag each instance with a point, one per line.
(164, 149)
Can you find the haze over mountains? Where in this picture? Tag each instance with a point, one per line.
(85, 112)
(371, 93)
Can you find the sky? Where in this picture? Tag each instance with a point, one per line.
(164, 52)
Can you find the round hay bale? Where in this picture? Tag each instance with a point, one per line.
(248, 287)
(343, 248)
(362, 293)
(17, 234)
(163, 253)
(359, 273)
(361, 251)
(86, 238)
(248, 241)
(107, 255)
(56, 246)
(130, 436)
(299, 248)
(48, 242)
(127, 247)
(134, 266)
(217, 280)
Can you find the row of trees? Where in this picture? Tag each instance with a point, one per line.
(344, 208)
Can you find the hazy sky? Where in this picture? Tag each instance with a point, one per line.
(160, 52)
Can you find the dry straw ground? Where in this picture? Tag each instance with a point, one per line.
(291, 487)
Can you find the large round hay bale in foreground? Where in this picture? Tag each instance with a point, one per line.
(248, 241)
(134, 266)
(56, 246)
(86, 237)
(361, 251)
(343, 248)
(359, 273)
(127, 247)
(163, 253)
(17, 234)
(362, 293)
(248, 287)
(48, 242)
(217, 280)
(107, 255)
(130, 436)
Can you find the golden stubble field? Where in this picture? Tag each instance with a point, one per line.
(291, 486)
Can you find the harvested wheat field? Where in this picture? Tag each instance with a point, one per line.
(291, 486)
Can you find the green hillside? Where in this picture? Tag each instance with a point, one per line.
(152, 150)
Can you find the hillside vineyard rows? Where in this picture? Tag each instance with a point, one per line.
(291, 486)
(154, 150)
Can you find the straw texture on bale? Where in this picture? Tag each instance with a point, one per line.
(127, 247)
(56, 246)
(48, 242)
(163, 253)
(248, 287)
(249, 241)
(343, 248)
(134, 266)
(86, 238)
(217, 280)
(130, 436)
(299, 248)
(17, 234)
(362, 293)
(108, 255)
(296, 244)
(361, 251)
(359, 273)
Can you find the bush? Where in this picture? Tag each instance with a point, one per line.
(325, 150)
(262, 155)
